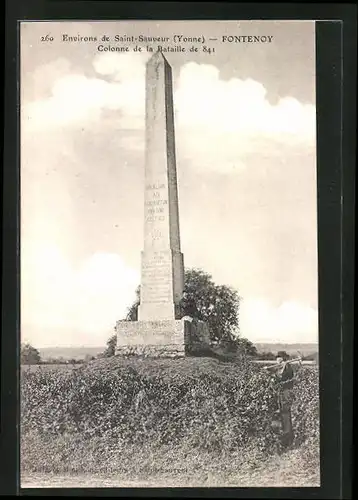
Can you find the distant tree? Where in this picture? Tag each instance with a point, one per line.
(29, 355)
(111, 347)
(266, 356)
(217, 305)
(52, 361)
(238, 345)
(73, 361)
(56, 361)
(246, 346)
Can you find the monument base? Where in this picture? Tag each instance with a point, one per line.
(162, 338)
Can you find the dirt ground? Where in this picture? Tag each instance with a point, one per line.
(275, 474)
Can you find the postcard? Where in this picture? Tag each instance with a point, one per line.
(169, 282)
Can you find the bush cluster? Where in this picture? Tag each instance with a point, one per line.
(203, 402)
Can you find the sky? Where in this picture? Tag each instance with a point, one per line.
(246, 162)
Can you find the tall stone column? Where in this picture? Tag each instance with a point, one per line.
(159, 330)
(162, 272)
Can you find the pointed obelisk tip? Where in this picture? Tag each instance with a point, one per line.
(157, 58)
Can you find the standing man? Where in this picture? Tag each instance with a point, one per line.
(283, 374)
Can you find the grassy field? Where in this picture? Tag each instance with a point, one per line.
(50, 367)
(184, 422)
(293, 469)
(70, 366)
(82, 351)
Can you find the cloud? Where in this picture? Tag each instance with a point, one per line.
(205, 103)
(83, 302)
(121, 67)
(204, 100)
(45, 76)
(77, 99)
(290, 322)
(219, 123)
(106, 287)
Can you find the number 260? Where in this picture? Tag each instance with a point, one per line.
(47, 38)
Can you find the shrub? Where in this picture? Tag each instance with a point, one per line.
(29, 355)
(207, 403)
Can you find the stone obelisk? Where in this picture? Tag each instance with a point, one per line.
(159, 329)
(162, 273)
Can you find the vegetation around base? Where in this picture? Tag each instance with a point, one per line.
(184, 420)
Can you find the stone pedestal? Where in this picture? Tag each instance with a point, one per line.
(163, 338)
(151, 338)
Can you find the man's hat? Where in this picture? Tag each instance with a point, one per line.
(282, 354)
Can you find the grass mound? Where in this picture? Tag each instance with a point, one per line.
(100, 416)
